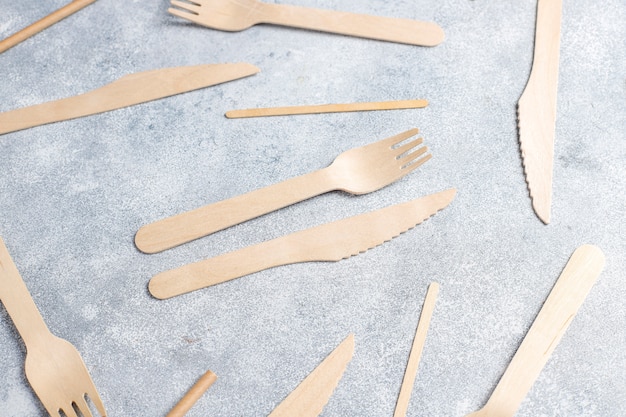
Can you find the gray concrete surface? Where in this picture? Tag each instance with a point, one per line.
(73, 194)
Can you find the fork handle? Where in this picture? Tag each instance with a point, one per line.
(408, 31)
(185, 227)
(19, 303)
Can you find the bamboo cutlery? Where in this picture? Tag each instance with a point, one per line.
(357, 171)
(237, 15)
(127, 91)
(558, 311)
(536, 112)
(54, 368)
(329, 242)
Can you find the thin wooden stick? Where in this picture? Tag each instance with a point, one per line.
(193, 395)
(44, 23)
(416, 351)
(327, 108)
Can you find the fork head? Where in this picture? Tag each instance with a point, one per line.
(228, 15)
(59, 377)
(374, 166)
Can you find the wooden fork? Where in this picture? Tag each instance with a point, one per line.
(54, 368)
(236, 15)
(357, 171)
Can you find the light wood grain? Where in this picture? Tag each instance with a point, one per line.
(310, 397)
(329, 242)
(402, 404)
(236, 15)
(193, 395)
(129, 90)
(357, 171)
(537, 109)
(54, 368)
(44, 23)
(558, 311)
(327, 108)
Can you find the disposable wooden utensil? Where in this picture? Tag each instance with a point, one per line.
(236, 15)
(536, 111)
(54, 368)
(310, 397)
(329, 242)
(558, 311)
(44, 23)
(357, 171)
(402, 404)
(193, 395)
(129, 90)
(327, 108)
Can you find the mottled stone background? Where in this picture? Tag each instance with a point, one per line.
(73, 194)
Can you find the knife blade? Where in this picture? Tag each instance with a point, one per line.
(328, 242)
(313, 393)
(536, 109)
(131, 89)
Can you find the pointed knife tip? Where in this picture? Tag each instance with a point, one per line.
(448, 194)
(350, 341)
(253, 68)
(542, 212)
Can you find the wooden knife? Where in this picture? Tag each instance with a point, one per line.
(310, 397)
(328, 242)
(126, 91)
(536, 110)
(556, 314)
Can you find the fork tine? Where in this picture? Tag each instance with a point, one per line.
(69, 411)
(408, 167)
(185, 15)
(400, 150)
(84, 407)
(190, 7)
(394, 140)
(95, 399)
(407, 159)
(193, 2)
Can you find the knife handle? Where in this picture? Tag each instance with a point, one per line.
(224, 268)
(547, 38)
(556, 314)
(185, 227)
(407, 31)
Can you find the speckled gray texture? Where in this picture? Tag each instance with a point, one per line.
(73, 194)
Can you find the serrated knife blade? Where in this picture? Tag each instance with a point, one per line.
(536, 110)
(328, 242)
(310, 397)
